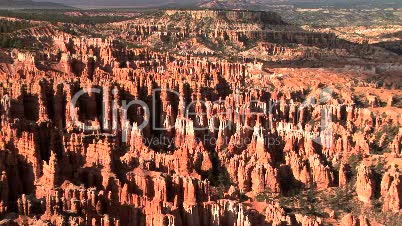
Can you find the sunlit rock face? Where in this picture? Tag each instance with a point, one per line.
(95, 131)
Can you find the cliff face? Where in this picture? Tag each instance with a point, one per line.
(207, 141)
(250, 34)
(58, 169)
(236, 16)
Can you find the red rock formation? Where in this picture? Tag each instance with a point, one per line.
(343, 175)
(391, 190)
(217, 134)
(350, 220)
(365, 184)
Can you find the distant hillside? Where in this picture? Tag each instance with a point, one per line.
(221, 4)
(124, 3)
(257, 4)
(241, 4)
(27, 4)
